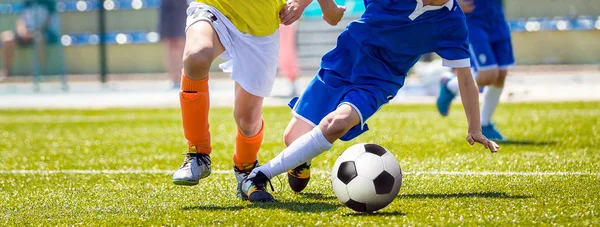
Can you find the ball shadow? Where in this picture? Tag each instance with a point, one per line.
(213, 208)
(525, 142)
(310, 207)
(497, 195)
(382, 214)
(316, 196)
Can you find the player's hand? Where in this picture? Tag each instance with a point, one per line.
(466, 5)
(333, 15)
(480, 138)
(292, 11)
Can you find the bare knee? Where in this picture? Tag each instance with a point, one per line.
(501, 78)
(335, 126)
(7, 36)
(196, 63)
(295, 129)
(487, 77)
(248, 124)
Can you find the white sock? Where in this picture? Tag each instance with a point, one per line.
(304, 149)
(491, 98)
(452, 85)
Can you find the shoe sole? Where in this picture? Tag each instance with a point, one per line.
(185, 183)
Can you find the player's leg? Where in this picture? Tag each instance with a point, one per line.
(254, 68)
(174, 50)
(250, 129)
(201, 48)
(491, 97)
(9, 43)
(288, 55)
(299, 176)
(303, 149)
(483, 62)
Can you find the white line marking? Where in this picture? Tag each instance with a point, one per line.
(318, 172)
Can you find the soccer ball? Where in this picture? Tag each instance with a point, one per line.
(366, 177)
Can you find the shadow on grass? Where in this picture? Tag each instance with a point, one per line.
(316, 196)
(213, 208)
(525, 142)
(381, 214)
(498, 195)
(311, 207)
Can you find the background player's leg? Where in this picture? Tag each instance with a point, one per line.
(174, 50)
(288, 54)
(8, 48)
(201, 48)
(247, 113)
(491, 98)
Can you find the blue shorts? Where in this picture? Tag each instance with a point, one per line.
(320, 98)
(490, 47)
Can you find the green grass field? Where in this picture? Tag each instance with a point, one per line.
(548, 175)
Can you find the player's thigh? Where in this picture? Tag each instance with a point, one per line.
(255, 63)
(202, 46)
(337, 123)
(296, 128)
(247, 111)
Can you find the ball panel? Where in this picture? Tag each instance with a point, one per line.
(361, 189)
(352, 152)
(356, 206)
(390, 164)
(375, 149)
(369, 165)
(347, 172)
(380, 201)
(339, 188)
(397, 185)
(384, 183)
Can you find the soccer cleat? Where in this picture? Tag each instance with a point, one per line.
(491, 133)
(195, 167)
(240, 175)
(445, 97)
(253, 187)
(298, 177)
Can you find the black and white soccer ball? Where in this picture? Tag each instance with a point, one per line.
(366, 177)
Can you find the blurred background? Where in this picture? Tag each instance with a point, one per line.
(94, 53)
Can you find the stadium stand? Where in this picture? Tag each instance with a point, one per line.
(550, 36)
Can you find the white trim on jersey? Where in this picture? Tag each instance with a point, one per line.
(460, 63)
(420, 9)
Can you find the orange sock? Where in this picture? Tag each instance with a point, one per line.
(195, 103)
(246, 148)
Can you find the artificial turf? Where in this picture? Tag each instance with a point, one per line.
(548, 173)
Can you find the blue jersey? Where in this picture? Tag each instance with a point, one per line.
(488, 16)
(375, 52)
(390, 37)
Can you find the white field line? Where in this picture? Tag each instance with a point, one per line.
(319, 172)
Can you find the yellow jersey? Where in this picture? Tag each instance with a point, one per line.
(255, 17)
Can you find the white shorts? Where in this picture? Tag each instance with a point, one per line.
(252, 59)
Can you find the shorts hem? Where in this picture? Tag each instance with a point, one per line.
(297, 115)
(362, 121)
